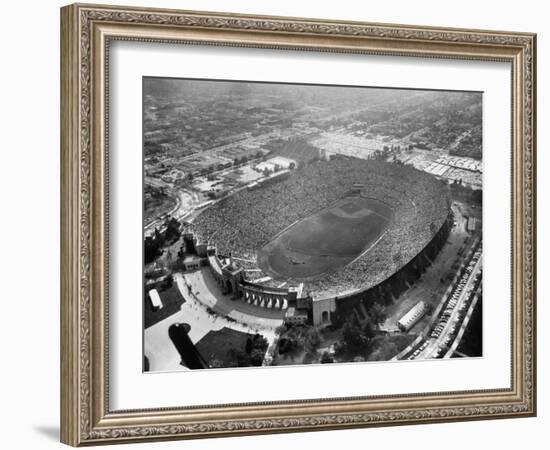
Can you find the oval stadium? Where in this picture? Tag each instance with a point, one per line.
(334, 228)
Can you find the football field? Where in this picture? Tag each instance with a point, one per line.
(327, 240)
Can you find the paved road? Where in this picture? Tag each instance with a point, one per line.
(454, 322)
(186, 202)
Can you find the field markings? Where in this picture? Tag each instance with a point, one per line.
(369, 247)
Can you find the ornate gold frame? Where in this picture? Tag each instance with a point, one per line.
(86, 31)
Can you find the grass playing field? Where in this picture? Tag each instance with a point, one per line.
(327, 240)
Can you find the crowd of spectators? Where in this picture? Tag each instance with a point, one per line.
(243, 223)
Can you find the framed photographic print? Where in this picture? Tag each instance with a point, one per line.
(276, 224)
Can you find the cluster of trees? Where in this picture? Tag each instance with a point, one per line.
(375, 302)
(298, 338)
(153, 244)
(461, 192)
(355, 344)
(253, 353)
(155, 192)
(383, 348)
(357, 336)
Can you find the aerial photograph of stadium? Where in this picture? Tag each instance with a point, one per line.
(292, 224)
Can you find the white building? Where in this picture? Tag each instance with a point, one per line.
(412, 317)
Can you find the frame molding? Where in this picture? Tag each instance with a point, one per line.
(86, 31)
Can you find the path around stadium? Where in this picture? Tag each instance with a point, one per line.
(199, 294)
(202, 284)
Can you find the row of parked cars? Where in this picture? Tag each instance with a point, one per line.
(453, 300)
(454, 297)
(419, 350)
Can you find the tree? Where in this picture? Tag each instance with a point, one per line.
(249, 346)
(260, 342)
(353, 337)
(384, 349)
(151, 249)
(215, 364)
(181, 251)
(157, 235)
(240, 358)
(167, 282)
(368, 328)
(286, 346)
(257, 357)
(387, 294)
(377, 313)
(312, 339)
(172, 232)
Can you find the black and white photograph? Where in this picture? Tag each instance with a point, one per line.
(275, 225)
(292, 224)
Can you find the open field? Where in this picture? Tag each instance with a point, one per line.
(326, 240)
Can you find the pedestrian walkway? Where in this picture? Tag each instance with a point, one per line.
(204, 310)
